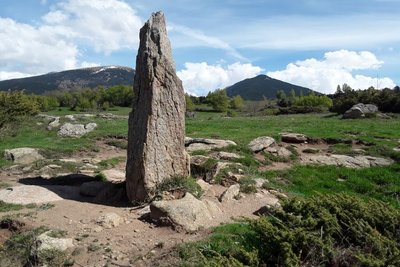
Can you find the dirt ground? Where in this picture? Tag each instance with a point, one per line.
(135, 241)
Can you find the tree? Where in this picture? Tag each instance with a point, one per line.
(237, 102)
(218, 100)
(189, 103)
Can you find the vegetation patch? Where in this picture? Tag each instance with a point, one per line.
(5, 207)
(111, 162)
(376, 182)
(326, 230)
(179, 184)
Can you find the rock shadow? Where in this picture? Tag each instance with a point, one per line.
(70, 187)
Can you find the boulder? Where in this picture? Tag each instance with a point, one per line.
(346, 161)
(109, 220)
(75, 130)
(28, 194)
(293, 138)
(279, 151)
(70, 117)
(226, 155)
(188, 213)
(53, 124)
(156, 134)
(261, 143)
(231, 193)
(196, 144)
(360, 110)
(23, 155)
(44, 242)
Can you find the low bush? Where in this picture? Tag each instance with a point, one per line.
(326, 230)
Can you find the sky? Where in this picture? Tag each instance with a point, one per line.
(313, 43)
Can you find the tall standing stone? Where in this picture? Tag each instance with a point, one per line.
(156, 137)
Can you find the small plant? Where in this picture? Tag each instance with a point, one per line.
(93, 247)
(180, 183)
(111, 163)
(101, 177)
(4, 207)
(57, 233)
(247, 185)
(46, 206)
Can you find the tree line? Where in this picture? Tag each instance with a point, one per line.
(387, 100)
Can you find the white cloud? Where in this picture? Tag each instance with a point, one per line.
(336, 68)
(200, 78)
(108, 25)
(198, 38)
(5, 75)
(33, 50)
(314, 32)
(57, 43)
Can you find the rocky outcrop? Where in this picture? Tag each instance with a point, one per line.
(195, 144)
(45, 242)
(346, 161)
(279, 151)
(360, 110)
(22, 155)
(293, 138)
(231, 193)
(188, 213)
(75, 130)
(261, 143)
(156, 136)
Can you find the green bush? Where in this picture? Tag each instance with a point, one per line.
(326, 230)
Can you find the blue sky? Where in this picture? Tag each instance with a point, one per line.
(313, 43)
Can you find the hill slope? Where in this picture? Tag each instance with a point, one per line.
(262, 85)
(87, 77)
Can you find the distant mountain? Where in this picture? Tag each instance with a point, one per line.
(79, 78)
(263, 85)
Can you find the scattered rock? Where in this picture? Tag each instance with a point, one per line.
(359, 151)
(226, 155)
(231, 193)
(27, 194)
(277, 194)
(92, 189)
(110, 116)
(114, 175)
(261, 143)
(109, 220)
(188, 213)
(346, 161)
(70, 117)
(195, 144)
(46, 243)
(293, 138)
(203, 184)
(259, 182)
(23, 155)
(75, 130)
(360, 110)
(156, 134)
(279, 151)
(53, 124)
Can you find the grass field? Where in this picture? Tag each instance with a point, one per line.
(229, 246)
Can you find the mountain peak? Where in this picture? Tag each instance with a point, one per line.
(90, 77)
(261, 86)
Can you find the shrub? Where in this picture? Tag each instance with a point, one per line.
(326, 230)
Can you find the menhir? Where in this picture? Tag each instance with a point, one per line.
(156, 137)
